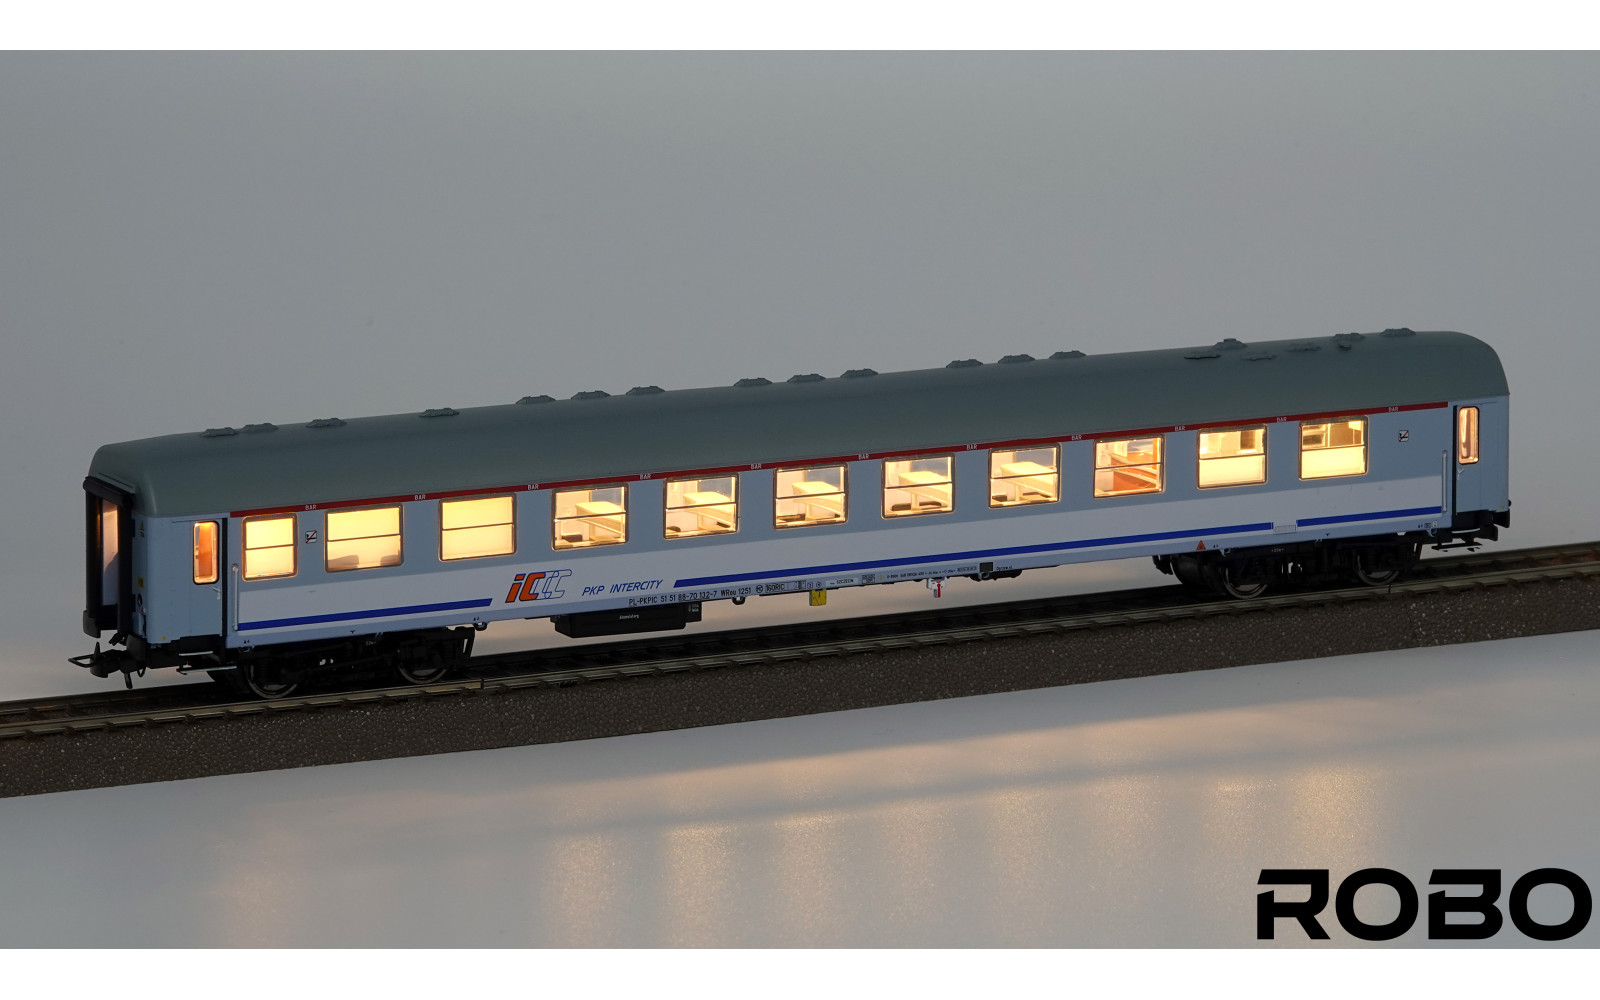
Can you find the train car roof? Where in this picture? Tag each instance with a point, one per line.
(593, 436)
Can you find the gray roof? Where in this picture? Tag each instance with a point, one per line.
(653, 431)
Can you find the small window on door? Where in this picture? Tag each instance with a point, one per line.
(1467, 435)
(205, 552)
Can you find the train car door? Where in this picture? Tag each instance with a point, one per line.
(208, 540)
(1471, 423)
(108, 550)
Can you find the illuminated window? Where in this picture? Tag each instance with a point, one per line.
(1233, 458)
(474, 529)
(1334, 448)
(268, 547)
(917, 486)
(810, 496)
(363, 539)
(1024, 475)
(1132, 465)
(1467, 435)
(205, 552)
(591, 517)
(702, 506)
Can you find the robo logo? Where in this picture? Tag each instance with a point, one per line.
(537, 586)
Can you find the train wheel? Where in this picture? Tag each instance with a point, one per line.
(426, 669)
(1376, 567)
(265, 681)
(1243, 581)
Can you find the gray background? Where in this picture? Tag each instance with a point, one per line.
(195, 240)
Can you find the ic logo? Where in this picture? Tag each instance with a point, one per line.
(1480, 905)
(537, 586)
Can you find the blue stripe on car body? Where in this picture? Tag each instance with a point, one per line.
(349, 616)
(1306, 522)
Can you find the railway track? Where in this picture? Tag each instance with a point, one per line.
(43, 717)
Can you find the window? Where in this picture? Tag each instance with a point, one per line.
(268, 547)
(809, 496)
(917, 486)
(702, 506)
(363, 539)
(1335, 448)
(1132, 465)
(475, 529)
(1024, 475)
(591, 517)
(1467, 435)
(205, 551)
(1233, 458)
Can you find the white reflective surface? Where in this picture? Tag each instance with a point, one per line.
(1127, 813)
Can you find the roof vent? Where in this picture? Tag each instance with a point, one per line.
(859, 373)
(813, 377)
(644, 390)
(1067, 355)
(218, 432)
(1305, 348)
(1229, 344)
(1398, 331)
(1201, 353)
(591, 394)
(326, 422)
(1260, 356)
(751, 383)
(528, 400)
(259, 428)
(442, 411)
(965, 363)
(1014, 359)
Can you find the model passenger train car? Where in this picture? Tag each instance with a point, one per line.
(275, 553)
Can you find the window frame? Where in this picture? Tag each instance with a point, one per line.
(555, 493)
(884, 487)
(1200, 459)
(216, 552)
(1366, 444)
(667, 508)
(293, 547)
(844, 493)
(399, 532)
(1054, 446)
(1160, 463)
(468, 499)
(1463, 445)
